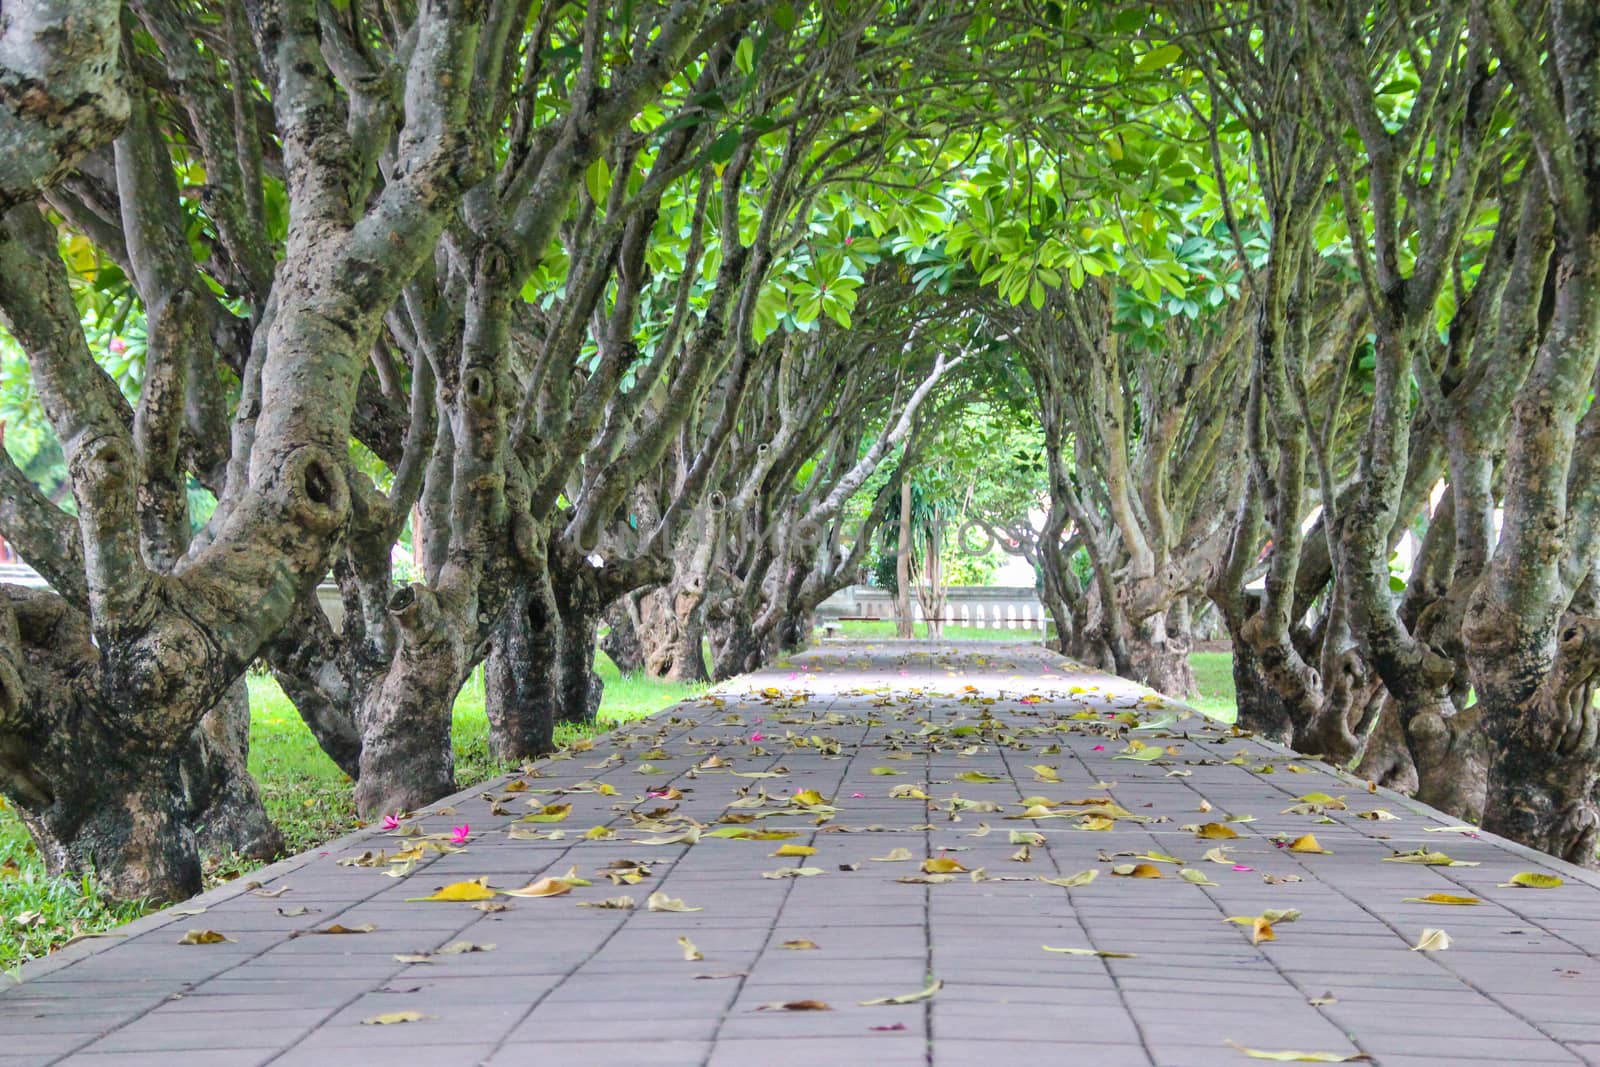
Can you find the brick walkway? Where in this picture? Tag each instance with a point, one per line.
(1520, 982)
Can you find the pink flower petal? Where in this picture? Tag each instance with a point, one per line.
(1242, 867)
(857, 796)
(1099, 748)
(459, 835)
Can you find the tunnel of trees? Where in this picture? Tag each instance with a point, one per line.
(533, 325)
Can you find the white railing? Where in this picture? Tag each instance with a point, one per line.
(994, 607)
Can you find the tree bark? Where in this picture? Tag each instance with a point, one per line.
(224, 804)
(622, 642)
(903, 625)
(521, 675)
(407, 761)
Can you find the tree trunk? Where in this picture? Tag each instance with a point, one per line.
(127, 822)
(520, 678)
(934, 605)
(407, 761)
(688, 662)
(578, 687)
(672, 632)
(735, 648)
(794, 629)
(1545, 767)
(105, 795)
(622, 642)
(225, 806)
(903, 625)
(299, 658)
(1261, 709)
(1162, 663)
(1386, 759)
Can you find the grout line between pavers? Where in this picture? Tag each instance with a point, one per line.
(777, 914)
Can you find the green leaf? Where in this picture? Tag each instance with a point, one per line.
(722, 148)
(1164, 56)
(598, 181)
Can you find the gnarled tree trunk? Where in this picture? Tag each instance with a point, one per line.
(622, 642)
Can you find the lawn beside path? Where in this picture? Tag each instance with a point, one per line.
(307, 796)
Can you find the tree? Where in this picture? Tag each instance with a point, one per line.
(106, 680)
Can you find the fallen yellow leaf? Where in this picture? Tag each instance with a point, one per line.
(1427, 859)
(690, 953)
(1091, 952)
(544, 887)
(1442, 898)
(942, 865)
(459, 891)
(1432, 941)
(1532, 880)
(691, 836)
(1301, 1057)
(204, 937)
(393, 1017)
(1216, 831)
(1307, 843)
(793, 872)
(1082, 878)
(548, 813)
(659, 901)
(1137, 870)
(907, 998)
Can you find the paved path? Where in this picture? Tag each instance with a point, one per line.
(565, 984)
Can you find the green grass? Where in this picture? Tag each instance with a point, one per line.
(306, 795)
(309, 798)
(1213, 674)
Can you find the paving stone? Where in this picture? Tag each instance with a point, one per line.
(568, 984)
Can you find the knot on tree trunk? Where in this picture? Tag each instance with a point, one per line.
(1569, 694)
(528, 540)
(103, 465)
(315, 491)
(416, 611)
